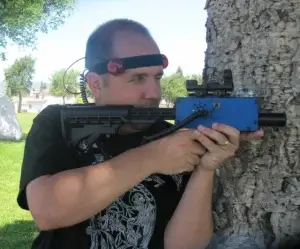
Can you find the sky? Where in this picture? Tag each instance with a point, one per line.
(177, 26)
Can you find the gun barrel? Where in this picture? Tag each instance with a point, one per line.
(272, 119)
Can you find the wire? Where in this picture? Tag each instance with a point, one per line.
(189, 119)
(82, 88)
(65, 76)
(82, 81)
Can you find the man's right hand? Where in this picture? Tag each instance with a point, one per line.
(177, 153)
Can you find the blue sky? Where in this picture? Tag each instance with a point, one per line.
(178, 27)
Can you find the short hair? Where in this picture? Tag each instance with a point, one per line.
(99, 44)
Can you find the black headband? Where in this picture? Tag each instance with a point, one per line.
(119, 65)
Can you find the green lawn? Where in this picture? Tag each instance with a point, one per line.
(17, 229)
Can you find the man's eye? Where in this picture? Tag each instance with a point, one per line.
(158, 77)
(139, 78)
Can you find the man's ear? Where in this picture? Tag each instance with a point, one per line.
(94, 83)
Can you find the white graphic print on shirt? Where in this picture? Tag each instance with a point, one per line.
(129, 221)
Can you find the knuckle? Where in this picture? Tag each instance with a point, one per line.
(201, 137)
(202, 151)
(211, 132)
(231, 153)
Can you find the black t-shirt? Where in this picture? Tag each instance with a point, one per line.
(135, 220)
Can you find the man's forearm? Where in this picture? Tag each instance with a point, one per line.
(72, 196)
(191, 225)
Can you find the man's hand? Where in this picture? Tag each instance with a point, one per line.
(247, 136)
(177, 153)
(221, 143)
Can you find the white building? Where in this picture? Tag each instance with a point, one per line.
(36, 101)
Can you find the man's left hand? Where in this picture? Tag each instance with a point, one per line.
(221, 143)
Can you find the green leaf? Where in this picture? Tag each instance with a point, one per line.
(173, 86)
(21, 20)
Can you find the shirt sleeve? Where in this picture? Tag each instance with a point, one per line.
(45, 152)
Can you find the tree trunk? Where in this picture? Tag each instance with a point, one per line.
(20, 102)
(64, 99)
(257, 194)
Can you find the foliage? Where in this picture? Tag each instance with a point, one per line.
(78, 100)
(173, 86)
(64, 84)
(90, 98)
(21, 20)
(18, 78)
(197, 77)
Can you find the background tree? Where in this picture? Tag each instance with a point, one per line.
(89, 96)
(197, 77)
(18, 78)
(20, 21)
(173, 86)
(257, 193)
(179, 72)
(59, 83)
(43, 86)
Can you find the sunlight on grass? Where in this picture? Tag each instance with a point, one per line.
(17, 229)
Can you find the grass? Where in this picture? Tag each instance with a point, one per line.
(17, 229)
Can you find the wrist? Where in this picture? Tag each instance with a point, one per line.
(202, 178)
(145, 160)
(204, 171)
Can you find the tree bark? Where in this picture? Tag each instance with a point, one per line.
(20, 102)
(257, 194)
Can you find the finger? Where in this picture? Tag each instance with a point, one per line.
(213, 134)
(187, 132)
(206, 142)
(246, 136)
(189, 168)
(193, 160)
(183, 129)
(232, 133)
(197, 149)
(190, 133)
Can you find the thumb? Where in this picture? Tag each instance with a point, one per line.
(188, 132)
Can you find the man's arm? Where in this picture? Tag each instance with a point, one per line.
(191, 225)
(64, 199)
(57, 189)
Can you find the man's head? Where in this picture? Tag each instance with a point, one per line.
(121, 38)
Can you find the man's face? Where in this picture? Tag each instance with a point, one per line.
(140, 86)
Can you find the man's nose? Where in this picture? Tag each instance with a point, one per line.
(152, 89)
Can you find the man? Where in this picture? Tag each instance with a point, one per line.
(123, 195)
